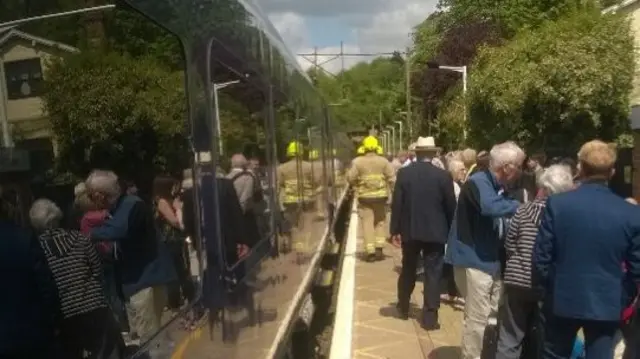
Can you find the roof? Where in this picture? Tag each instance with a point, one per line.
(620, 6)
(10, 32)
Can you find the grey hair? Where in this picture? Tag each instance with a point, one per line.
(79, 189)
(507, 153)
(44, 214)
(556, 179)
(239, 161)
(105, 182)
(455, 165)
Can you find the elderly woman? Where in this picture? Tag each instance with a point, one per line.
(448, 285)
(77, 273)
(584, 237)
(458, 173)
(519, 301)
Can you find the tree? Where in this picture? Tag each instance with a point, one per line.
(457, 47)
(565, 83)
(510, 15)
(365, 92)
(111, 111)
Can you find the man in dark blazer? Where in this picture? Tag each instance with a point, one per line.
(30, 309)
(585, 237)
(422, 209)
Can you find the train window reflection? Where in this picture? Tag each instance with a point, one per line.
(112, 106)
(241, 106)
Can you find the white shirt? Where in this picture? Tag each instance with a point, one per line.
(408, 162)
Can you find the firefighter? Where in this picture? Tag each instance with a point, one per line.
(372, 175)
(316, 168)
(295, 182)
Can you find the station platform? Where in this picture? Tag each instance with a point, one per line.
(366, 326)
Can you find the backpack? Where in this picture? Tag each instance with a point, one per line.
(256, 196)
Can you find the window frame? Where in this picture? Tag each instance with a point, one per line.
(24, 66)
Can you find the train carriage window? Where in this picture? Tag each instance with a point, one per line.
(116, 110)
(240, 101)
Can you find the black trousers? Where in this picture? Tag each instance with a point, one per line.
(448, 283)
(91, 335)
(433, 260)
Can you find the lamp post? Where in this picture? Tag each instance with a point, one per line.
(393, 138)
(216, 88)
(400, 147)
(463, 71)
(387, 134)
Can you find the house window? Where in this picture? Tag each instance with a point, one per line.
(24, 78)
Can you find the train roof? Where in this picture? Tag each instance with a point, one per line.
(244, 43)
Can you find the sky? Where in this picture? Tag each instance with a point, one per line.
(365, 26)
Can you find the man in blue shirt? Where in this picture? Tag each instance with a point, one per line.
(475, 241)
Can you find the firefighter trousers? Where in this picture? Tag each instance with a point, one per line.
(372, 214)
(297, 217)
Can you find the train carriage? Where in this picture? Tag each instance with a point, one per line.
(261, 305)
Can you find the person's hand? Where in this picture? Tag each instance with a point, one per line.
(396, 240)
(243, 250)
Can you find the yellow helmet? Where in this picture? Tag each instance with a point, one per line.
(370, 143)
(294, 149)
(361, 150)
(313, 154)
(379, 150)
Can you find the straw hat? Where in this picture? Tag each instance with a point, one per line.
(424, 144)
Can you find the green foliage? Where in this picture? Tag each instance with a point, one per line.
(131, 33)
(365, 92)
(426, 40)
(109, 110)
(511, 15)
(449, 126)
(565, 83)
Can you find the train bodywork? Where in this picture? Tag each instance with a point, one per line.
(254, 306)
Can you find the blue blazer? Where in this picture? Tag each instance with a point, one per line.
(584, 237)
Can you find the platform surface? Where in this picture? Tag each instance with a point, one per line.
(379, 334)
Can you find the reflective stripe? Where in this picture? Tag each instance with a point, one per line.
(372, 186)
(292, 192)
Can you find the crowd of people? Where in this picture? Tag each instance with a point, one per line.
(104, 275)
(533, 251)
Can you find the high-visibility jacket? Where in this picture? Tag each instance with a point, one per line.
(295, 181)
(372, 176)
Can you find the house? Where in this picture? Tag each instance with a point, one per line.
(23, 59)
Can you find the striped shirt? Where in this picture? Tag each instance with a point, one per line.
(520, 241)
(76, 269)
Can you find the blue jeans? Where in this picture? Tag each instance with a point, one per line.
(560, 334)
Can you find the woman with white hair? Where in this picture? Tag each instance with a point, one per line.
(77, 272)
(519, 300)
(458, 172)
(449, 288)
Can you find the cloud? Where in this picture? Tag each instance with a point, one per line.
(375, 25)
